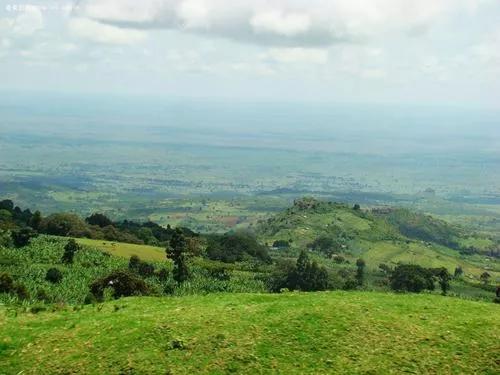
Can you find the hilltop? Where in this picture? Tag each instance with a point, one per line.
(388, 235)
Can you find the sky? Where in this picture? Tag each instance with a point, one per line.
(425, 52)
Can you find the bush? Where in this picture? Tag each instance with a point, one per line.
(63, 224)
(220, 273)
(144, 269)
(162, 274)
(54, 275)
(411, 278)
(21, 291)
(22, 237)
(70, 249)
(304, 275)
(123, 283)
(281, 244)
(236, 247)
(42, 295)
(99, 219)
(6, 283)
(339, 259)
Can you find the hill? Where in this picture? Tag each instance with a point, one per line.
(380, 236)
(293, 333)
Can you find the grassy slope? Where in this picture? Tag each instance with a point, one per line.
(340, 332)
(373, 239)
(126, 250)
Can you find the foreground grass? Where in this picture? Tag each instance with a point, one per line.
(331, 332)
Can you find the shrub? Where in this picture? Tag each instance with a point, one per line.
(163, 274)
(411, 278)
(177, 251)
(99, 219)
(42, 295)
(22, 237)
(304, 275)
(281, 244)
(339, 259)
(133, 263)
(360, 271)
(6, 283)
(62, 224)
(21, 291)
(144, 269)
(54, 275)
(123, 283)
(236, 247)
(485, 277)
(220, 273)
(70, 249)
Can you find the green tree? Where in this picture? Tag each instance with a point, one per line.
(360, 271)
(458, 272)
(99, 219)
(485, 278)
(444, 278)
(23, 236)
(70, 249)
(178, 253)
(411, 278)
(36, 220)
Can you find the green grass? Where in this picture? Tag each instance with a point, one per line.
(126, 250)
(330, 332)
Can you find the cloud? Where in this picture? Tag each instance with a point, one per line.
(298, 55)
(102, 33)
(294, 23)
(288, 25)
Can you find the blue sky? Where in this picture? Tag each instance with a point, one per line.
(439, 52)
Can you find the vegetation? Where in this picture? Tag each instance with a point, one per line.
(295, 333)
(236, 247)
(178, 253)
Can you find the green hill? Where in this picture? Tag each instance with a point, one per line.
(381, 236)
(293, 333)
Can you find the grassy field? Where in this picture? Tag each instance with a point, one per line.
(125, 250)
(330, 332)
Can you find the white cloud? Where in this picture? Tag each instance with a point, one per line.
(298, 55)
(296, 23)
(276, 22)
(27, 22)
(101, 33)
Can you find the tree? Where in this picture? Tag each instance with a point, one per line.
(122, 282)
(307, 275)
(485, 278)
(99, 219)
(411, 278)
(236, 247)
(458, 272)
(23, 236)
(70, 249)
(360, 271)
(7, 204)
(36, 220)
(444, 278)
(356, 207)
(177, 252)
(386, 270)
(63, 224)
